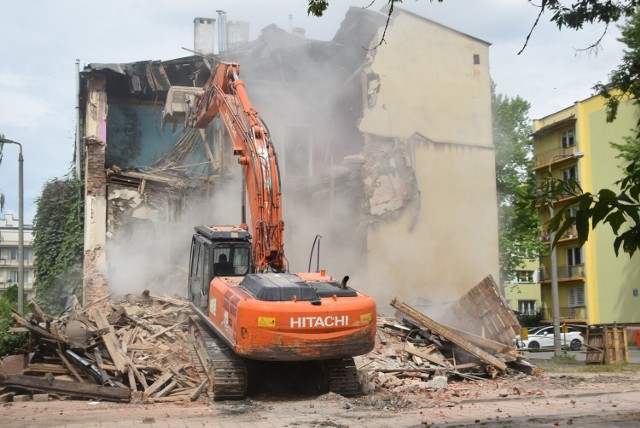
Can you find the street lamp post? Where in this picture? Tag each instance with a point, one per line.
(20, 225)
(553, 262)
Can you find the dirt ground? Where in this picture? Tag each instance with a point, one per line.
(563, 395)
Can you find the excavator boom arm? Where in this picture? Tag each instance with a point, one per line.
(224, 94)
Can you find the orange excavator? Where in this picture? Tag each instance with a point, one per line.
(248, 307)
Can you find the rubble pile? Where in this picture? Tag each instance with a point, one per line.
(138, 348)
(126, 351)
(415, 353)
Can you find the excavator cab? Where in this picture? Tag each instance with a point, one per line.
(216, 251)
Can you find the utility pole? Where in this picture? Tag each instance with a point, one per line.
(20, 225)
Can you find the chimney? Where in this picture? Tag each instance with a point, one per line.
(203, 35)
(238, 33)
(222, 31)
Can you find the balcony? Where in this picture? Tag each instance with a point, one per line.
(14, 263)
(557, 155)
(571, 233)
(564, 272)
(574, 314)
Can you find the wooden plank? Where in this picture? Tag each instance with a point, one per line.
(164, 330)
(63, 387)
(484, 308)
(158, 383)
(110, 341)
(427, 354)
(449, 335)
(483, 342)
(199, 390)
(46, 368)
(141, 379)
(69, 366)
(466, 366)
(37, 312)
(167, 389)
(36, 329)
(132, 379)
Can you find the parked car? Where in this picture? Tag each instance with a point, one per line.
(542, 337)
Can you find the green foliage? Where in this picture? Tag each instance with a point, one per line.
(10, 343)
(625, 80)
(514, 180)
(317, 7)
(619, 210)
(580, 12)
(58, 243)
(530, 320)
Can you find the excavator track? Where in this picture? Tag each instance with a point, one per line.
(226, 371)
(343, 377)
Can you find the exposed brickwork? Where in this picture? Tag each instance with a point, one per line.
(96, 287)
(95, 174)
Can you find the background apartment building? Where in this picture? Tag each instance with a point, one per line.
(9, 255)
(595, 286)
(522, 292)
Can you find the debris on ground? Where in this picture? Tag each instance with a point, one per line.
(415, 352)
(136, 350)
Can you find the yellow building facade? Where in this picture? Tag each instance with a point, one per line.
(594, 286)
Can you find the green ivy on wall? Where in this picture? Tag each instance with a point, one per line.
(58, 243)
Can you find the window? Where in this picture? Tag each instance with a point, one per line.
(574, 256)
(14, 254)
(570, 173)
(525, 276)
(576, 296)
(195, 254)
(576, 302)
(568, 139)
(13, 277)
(527, 307)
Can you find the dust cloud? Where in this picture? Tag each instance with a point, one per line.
(154, 255)
(428, 252)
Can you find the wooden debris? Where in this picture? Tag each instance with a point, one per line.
(72, 389)
(450, 335)
(139, 344)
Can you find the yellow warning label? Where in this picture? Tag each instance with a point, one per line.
(266, 322)
(365, 317)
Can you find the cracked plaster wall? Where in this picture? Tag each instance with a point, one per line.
(429, 174)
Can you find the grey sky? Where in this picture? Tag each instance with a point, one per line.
(40, 41)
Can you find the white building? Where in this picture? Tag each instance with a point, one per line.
(9, 254)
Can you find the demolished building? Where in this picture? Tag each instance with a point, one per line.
(386, 152)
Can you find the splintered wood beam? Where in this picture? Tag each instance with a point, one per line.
(483, 342)
(36, 329)
(37, 312)
(158, 383)
(199, 390)
(429, 353)
(110, 341)
(443, 331)
(65, 387)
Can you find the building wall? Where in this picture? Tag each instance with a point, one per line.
(444, 240)
(9, 242)
(518, 289)
(610, 280)
(95, 211)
